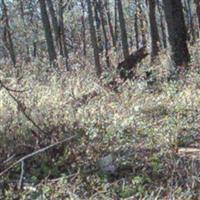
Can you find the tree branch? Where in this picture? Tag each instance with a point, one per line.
(35, 153)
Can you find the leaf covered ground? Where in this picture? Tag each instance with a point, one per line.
(152, 132)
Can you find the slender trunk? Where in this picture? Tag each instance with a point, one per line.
(116, 22)
(136, 26)
(98, 26)
(197, 3)
(55, 25)
(142, 24)
(191, 22)
(162, 24)
(83, 28)
(123, 30)
(101, 12)
(177, 32)
(7, 38)
(62, 35)
(34, 49)
(94, 39)
(48, 33)
(155, 40)
(110, 22)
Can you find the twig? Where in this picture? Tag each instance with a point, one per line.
(20, 105)
(35, 153)
(9, 159)
(10, 89)
(20, 183)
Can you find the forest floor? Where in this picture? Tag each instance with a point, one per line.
(142, 142)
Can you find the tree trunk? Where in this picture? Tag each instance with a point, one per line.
(116, 21)
(142, 24)
(109, 22)
(136, 26)
(63, 44)
(103, 24)
(191, 22)
(94, 39)
(47, 30)
(56, 27)
(177, 32)
(197, 3)
(123, 30)
(155, 40)
(98, 26)
(83, 28)
(7, 38)
(162, 24)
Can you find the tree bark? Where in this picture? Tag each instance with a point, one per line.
(83, 28)
(136, 26)
(94, 39)
(103, 24)
(162, 24)
(110, 22)
(197, 3)
(48, 33)
(7, 38)
(98, 25)
(177, 32)
(123, 30)
(116, 21)
(55, 25)
(155, 40)
(63, 44)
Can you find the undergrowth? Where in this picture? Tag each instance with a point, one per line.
(143, 125)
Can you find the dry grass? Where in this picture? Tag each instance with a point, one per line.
(144, 126)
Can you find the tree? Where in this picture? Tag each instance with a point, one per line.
(94, 39)
(63, 44)
(136, 25)
(190, 24)
(7, 38)
(47, 30)
(162, 24)
(177, 32)
(83, 28)
(107, 7)
(55, 25)
(103, 24)
(123, 29)
(155, 40)
(197, 3)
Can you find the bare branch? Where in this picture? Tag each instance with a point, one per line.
(35, 153)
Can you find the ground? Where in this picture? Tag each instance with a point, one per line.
(150, 133)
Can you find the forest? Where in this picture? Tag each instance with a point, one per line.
(99, 99)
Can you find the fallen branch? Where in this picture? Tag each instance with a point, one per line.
(10, 89)
(35, 153)
(22, 108)
(20, 183)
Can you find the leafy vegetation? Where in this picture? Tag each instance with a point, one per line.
(143, 127)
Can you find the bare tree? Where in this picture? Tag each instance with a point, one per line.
(94, 39)
(123, 29)
(155, 40)
(197, 3)
(7, 37)
(177, 32)
(47, 30)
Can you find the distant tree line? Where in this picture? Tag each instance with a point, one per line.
(29, 28)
